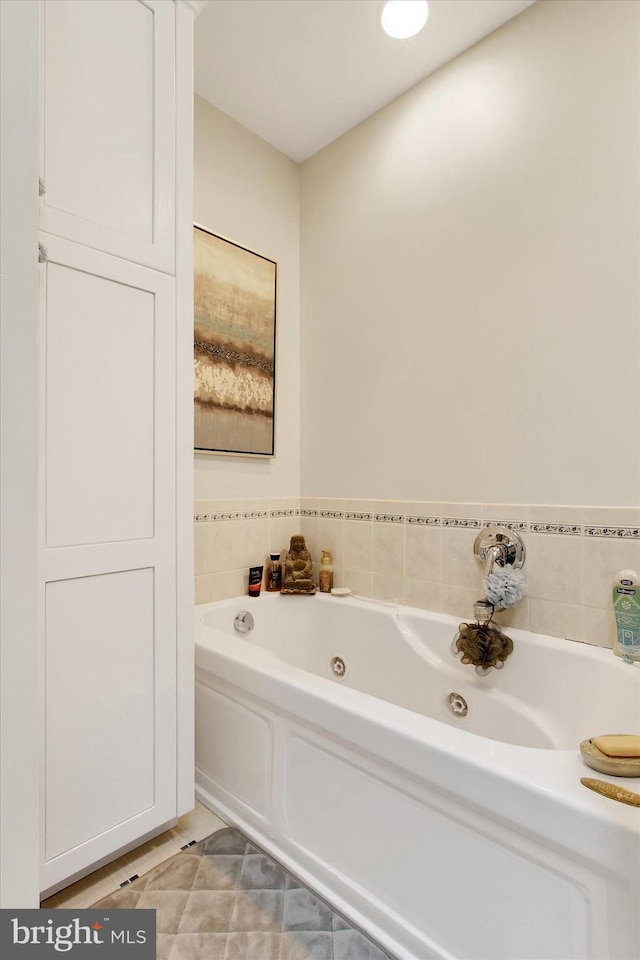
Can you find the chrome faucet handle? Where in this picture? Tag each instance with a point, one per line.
(493, 555)
(499, 545)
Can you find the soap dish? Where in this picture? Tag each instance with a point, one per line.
(614, 766)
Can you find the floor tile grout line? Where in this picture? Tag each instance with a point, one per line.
(235, 899)
(284, 886)
(333, 942)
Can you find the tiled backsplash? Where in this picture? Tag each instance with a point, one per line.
(421, 554)
(232, 535)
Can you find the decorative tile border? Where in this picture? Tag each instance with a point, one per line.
(245, 515)
(566, 529)
(520, 525)
(461, 522)
(627, 533)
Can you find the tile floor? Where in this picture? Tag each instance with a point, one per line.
(196, 825)
(225, 899)
(218, 897)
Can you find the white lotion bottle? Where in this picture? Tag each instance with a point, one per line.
(325, 574)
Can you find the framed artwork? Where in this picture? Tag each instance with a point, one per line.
(234, 348)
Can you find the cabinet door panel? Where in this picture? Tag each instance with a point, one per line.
(108, 119)
(99, 696)
(100, 407)
(108, 554)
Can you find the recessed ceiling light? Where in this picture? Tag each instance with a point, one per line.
(402, 19)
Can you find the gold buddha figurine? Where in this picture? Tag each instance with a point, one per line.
(298, 568)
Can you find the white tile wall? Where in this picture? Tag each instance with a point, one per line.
(421, 554)
(233, 535)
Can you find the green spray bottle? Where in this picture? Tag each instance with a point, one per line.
(626, 607)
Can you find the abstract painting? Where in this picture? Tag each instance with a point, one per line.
(234, 348)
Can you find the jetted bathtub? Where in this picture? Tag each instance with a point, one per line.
(440, 810)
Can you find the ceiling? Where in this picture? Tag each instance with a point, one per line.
(300, 73)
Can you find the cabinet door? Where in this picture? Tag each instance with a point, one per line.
(108, 554)
(108, 126)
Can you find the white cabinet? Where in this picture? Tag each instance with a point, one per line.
(107, 156)
(115, 377)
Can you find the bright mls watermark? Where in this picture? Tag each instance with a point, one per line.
(79, 934)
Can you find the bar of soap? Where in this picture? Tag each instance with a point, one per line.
(618, 745)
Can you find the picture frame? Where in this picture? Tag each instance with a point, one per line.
(235, 312)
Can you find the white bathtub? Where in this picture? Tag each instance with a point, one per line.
(443, 836)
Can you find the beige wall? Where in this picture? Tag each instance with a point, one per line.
(469, 330)
(470, 276)
(20, 687)
(248, 192)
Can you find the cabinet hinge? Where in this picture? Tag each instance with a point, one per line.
(42, 187)
(42, 253)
